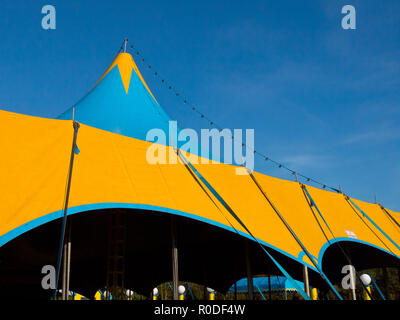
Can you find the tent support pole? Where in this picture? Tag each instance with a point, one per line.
(64, 221)
(66, 264)
(68, 273)
(306, 280)
(353, 289)
(250, 287)
(64, 279)
(175, 273)
(352, 277)
(125, 41)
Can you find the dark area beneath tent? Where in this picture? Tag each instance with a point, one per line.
(362, 257)
(208, 255)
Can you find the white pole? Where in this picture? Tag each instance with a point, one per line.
(306, 281)
(175, 273)
(126, 40)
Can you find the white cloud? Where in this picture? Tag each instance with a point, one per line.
(373, 136)
(306, 160)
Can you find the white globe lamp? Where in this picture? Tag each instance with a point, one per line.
(366, 279)
(129, 293)
(181, 289)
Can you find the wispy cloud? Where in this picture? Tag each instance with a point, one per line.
(376, 136)
(306, 160)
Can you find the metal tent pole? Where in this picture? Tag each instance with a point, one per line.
(68, 271)
(66, 264)
(306, 280)
(125, 42)
(352, 278)
(175, 273)
(64, 221)
(64, 278)
(250, 287)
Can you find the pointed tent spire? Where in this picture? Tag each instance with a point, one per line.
(120, 102)
(125, 64)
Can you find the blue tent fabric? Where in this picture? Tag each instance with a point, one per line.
(136, 114)
(278, 283)
(132, 113)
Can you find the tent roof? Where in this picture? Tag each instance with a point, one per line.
(120, 102)
(111, 171)
(278, 283)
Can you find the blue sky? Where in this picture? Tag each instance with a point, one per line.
(323, 100)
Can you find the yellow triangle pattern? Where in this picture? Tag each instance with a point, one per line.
(125, 64)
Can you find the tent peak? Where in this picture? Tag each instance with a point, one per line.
(120, 102)
(125, 64)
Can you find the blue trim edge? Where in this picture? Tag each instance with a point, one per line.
(111, 205)
(331, 242)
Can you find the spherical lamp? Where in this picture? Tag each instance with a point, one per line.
(181, 289)
(366, 279)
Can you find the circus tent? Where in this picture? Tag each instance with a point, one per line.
(217, 210)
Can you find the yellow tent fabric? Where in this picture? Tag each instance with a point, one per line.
(111, 171)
